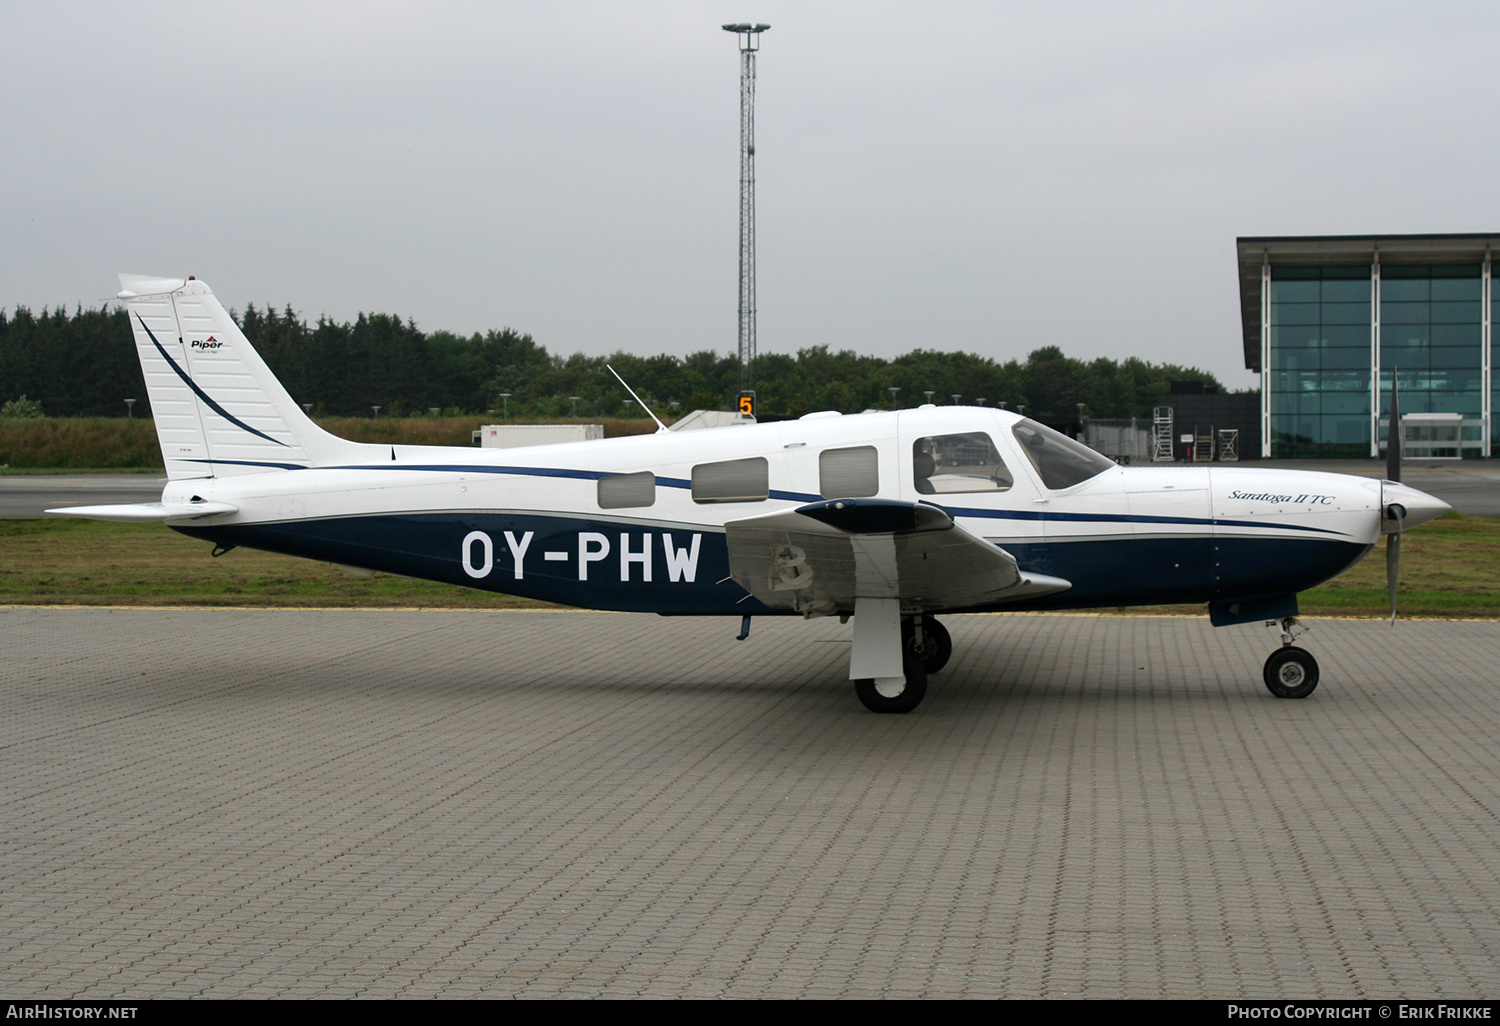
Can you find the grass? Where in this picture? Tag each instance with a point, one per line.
(1449, 568)
(75, 443)
(91, 563)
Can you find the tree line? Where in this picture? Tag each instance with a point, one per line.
(84, 364)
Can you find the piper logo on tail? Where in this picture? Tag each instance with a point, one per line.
(208, 343)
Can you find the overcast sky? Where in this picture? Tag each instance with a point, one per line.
(991, 177)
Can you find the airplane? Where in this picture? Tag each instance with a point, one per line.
(888, 518)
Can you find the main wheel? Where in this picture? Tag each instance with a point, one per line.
(937, 645)
(1291, 672)
(900, 698)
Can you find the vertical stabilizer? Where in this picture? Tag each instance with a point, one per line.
(219, 410)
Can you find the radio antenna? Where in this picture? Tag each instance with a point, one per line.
(660, 427)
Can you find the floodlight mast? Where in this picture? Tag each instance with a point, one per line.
(749, 39)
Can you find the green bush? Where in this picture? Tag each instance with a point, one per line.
(21, 409)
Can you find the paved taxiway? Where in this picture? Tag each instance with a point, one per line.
(337, 804)
(28, 495)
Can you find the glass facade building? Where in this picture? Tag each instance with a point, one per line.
(1330, 321)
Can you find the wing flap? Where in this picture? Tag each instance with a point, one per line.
(818, 559)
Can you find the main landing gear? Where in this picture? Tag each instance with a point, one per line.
(927, 640)
(881, 695)
(926, 648)
(1291, 672)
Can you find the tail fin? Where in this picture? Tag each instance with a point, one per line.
(219, 410)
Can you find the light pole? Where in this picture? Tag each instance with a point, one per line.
(505, 399)
(129, 408)
(749, 40)
(893, 389)
(928, 394)
(956, 397)
(574, 400)
(374, 411)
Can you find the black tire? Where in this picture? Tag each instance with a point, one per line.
(909, 698)
(1291, 672)
(937, 644)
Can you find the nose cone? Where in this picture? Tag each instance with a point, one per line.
(1420, 507)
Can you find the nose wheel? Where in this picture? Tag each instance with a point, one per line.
(1291, 672)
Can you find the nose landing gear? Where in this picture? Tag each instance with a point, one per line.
(1290, 672)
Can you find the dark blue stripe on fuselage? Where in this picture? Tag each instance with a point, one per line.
(1054, 516)
(1124, 572)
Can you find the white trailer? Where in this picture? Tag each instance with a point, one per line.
(514, 436)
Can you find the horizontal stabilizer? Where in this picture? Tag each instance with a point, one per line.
(145, 512)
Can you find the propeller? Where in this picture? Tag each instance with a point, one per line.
(1395, 513)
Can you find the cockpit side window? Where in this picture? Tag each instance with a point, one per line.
(944, 464)
(1060, 461)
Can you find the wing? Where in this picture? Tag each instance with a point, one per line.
(818, 559)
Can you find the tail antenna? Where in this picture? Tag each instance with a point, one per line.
(660, 427)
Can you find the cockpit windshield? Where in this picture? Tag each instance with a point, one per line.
(1062, 462)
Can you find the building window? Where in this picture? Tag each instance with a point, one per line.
(732, 481)
(627, 491)
(1494, 363)
(1431, 329)
(1321, 332)
(848, 473)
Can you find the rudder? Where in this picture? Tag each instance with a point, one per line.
(219, 410)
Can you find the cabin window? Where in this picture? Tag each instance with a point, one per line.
(625, 491)
(1060, 461)
(732, 481)
(848, 473)
(944, 464)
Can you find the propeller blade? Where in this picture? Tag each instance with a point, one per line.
(1392, 569)
(1394, 555)
(1394, 437)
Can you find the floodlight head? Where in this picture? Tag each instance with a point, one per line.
(750, 32)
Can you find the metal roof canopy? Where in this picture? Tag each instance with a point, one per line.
(1341, 250)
